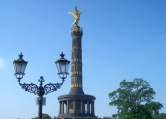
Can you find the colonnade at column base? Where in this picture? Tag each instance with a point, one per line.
(76, 106)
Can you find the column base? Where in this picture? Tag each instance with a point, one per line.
(77, 107)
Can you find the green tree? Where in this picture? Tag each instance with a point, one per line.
(134, 100)
(161, 116)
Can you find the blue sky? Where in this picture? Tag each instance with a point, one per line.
(123, 39)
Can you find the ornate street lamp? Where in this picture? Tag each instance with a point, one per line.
(41, 90)
(19, 66)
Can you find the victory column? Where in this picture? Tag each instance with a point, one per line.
(76, 105)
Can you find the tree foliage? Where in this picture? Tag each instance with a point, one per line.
(160, 116)
(134, 100)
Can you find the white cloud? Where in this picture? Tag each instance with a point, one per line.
(1, 64)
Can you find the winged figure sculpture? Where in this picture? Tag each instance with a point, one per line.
(76, 15)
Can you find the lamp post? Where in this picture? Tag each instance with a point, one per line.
(40, 90)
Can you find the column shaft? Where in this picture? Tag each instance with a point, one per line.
(67, 106)
(88, 107)
(74, 106)
(81, 106)
(93, 112)
(76, 63)
(62, 107)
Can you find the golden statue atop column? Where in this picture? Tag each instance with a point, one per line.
(76, 15)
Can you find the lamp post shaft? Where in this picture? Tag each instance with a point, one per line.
(41, 92)
(40, 104)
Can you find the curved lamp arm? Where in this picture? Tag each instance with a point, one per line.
(46, 89)
(51, 87)
(32, 88)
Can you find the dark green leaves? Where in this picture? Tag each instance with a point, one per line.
(134, 100)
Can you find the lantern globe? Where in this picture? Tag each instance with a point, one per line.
(62, 65)
(20, 66)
